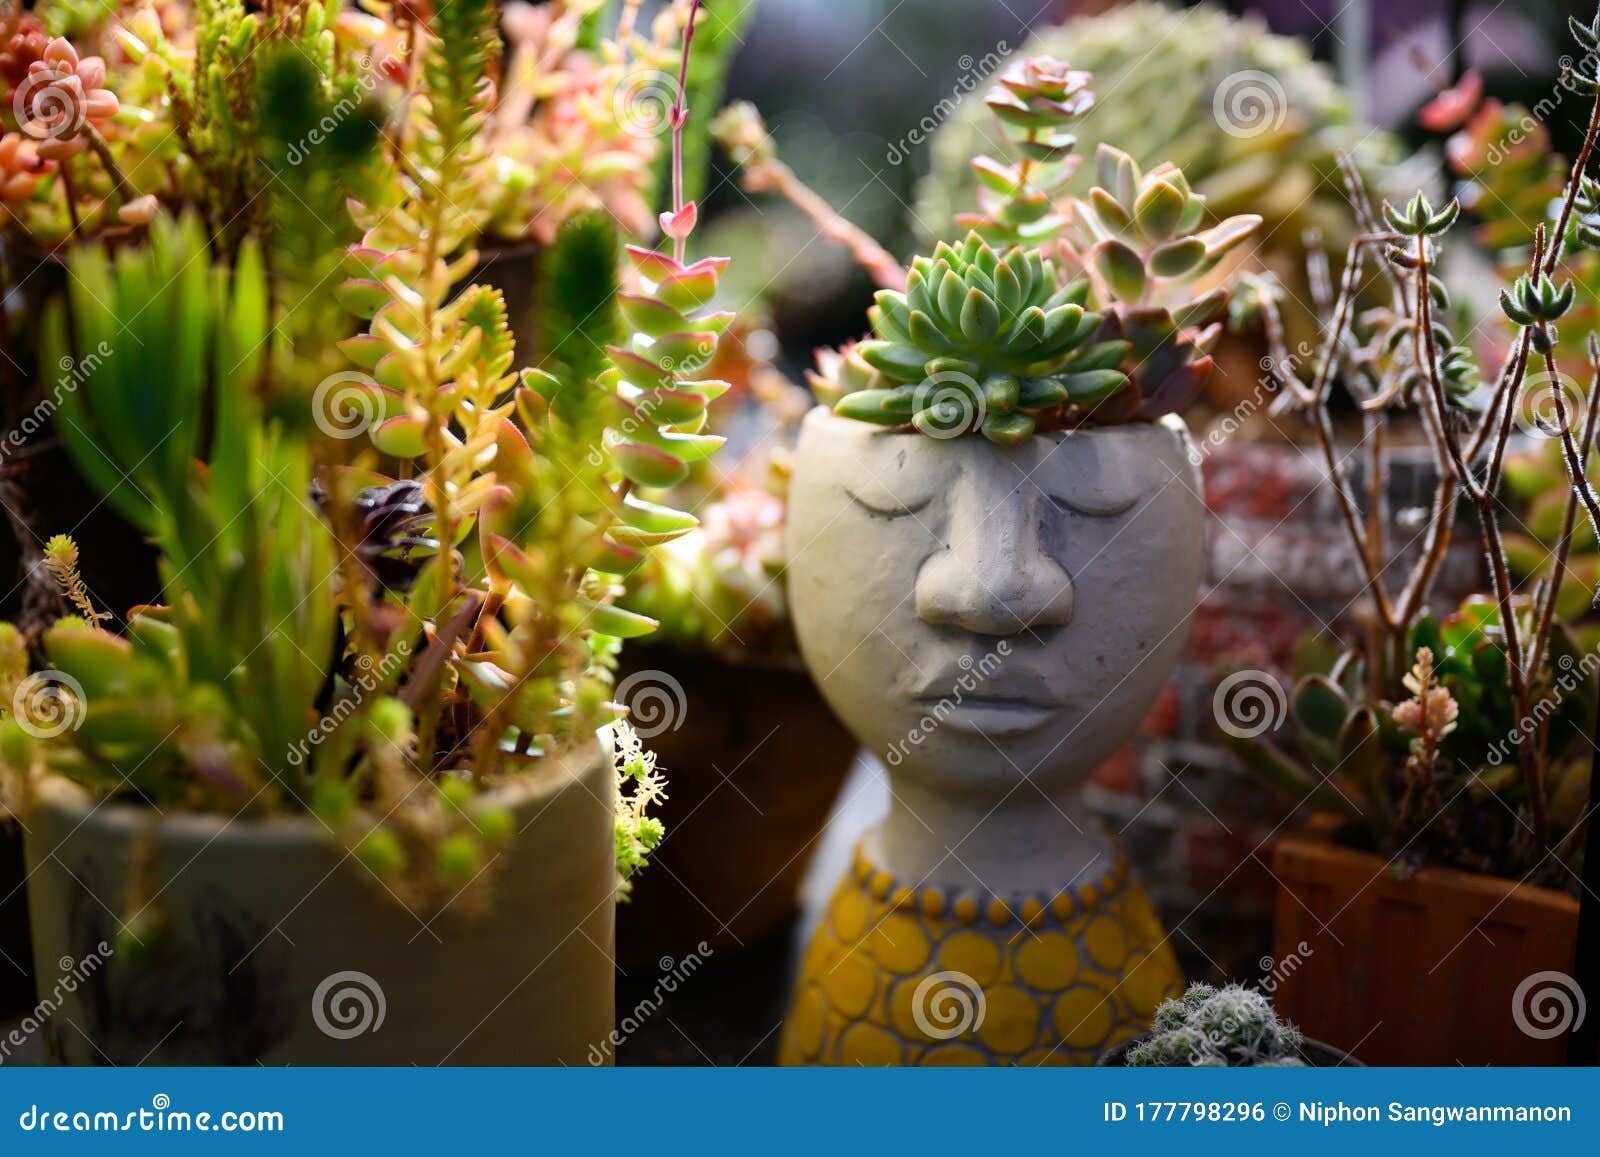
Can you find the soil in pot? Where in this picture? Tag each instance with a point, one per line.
(262, 941)
(754, 759)
(1441, 968)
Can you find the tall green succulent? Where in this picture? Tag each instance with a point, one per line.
(981, 341)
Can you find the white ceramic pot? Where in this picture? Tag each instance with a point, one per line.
(274, 946)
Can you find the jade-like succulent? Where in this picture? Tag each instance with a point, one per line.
(1228, 1027)
(1144, 237)
(980, 341)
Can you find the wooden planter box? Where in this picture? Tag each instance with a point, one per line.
(1422, 971)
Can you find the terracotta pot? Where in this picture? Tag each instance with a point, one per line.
(273, 946)
(1439, 969)
(1315, 1054)
(753, 764)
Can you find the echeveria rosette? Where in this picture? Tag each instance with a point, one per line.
(979, 342)
(1142, 237)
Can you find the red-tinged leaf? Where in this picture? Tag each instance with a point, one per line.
(649, 316)
(402, 437)
(649, 466)
(680, 224)
(1450, 109)
(363, 349)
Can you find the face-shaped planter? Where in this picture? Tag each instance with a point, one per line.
(992, 623)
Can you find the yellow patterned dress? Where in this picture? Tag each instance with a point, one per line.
(896, 976)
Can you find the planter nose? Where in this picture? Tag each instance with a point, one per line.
(996, 574)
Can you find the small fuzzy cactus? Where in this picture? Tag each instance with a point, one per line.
(1228, 1027)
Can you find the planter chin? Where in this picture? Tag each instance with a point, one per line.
(754, 759)
(1441, 968)
(271, 945)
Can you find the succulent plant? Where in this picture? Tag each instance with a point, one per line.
(1433, 770)
(981, 341)
(1227, 1027)
(1175, 82)
(1037, 100)
(1143, 238)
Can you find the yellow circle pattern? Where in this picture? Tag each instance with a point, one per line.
(897, 976)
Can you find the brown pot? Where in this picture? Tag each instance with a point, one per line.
(264, 942)
(1441, 968)
(753, 759)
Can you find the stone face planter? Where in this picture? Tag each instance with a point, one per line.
(1443, 968)
(992, 623)
(276, 947)
(753, 758)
